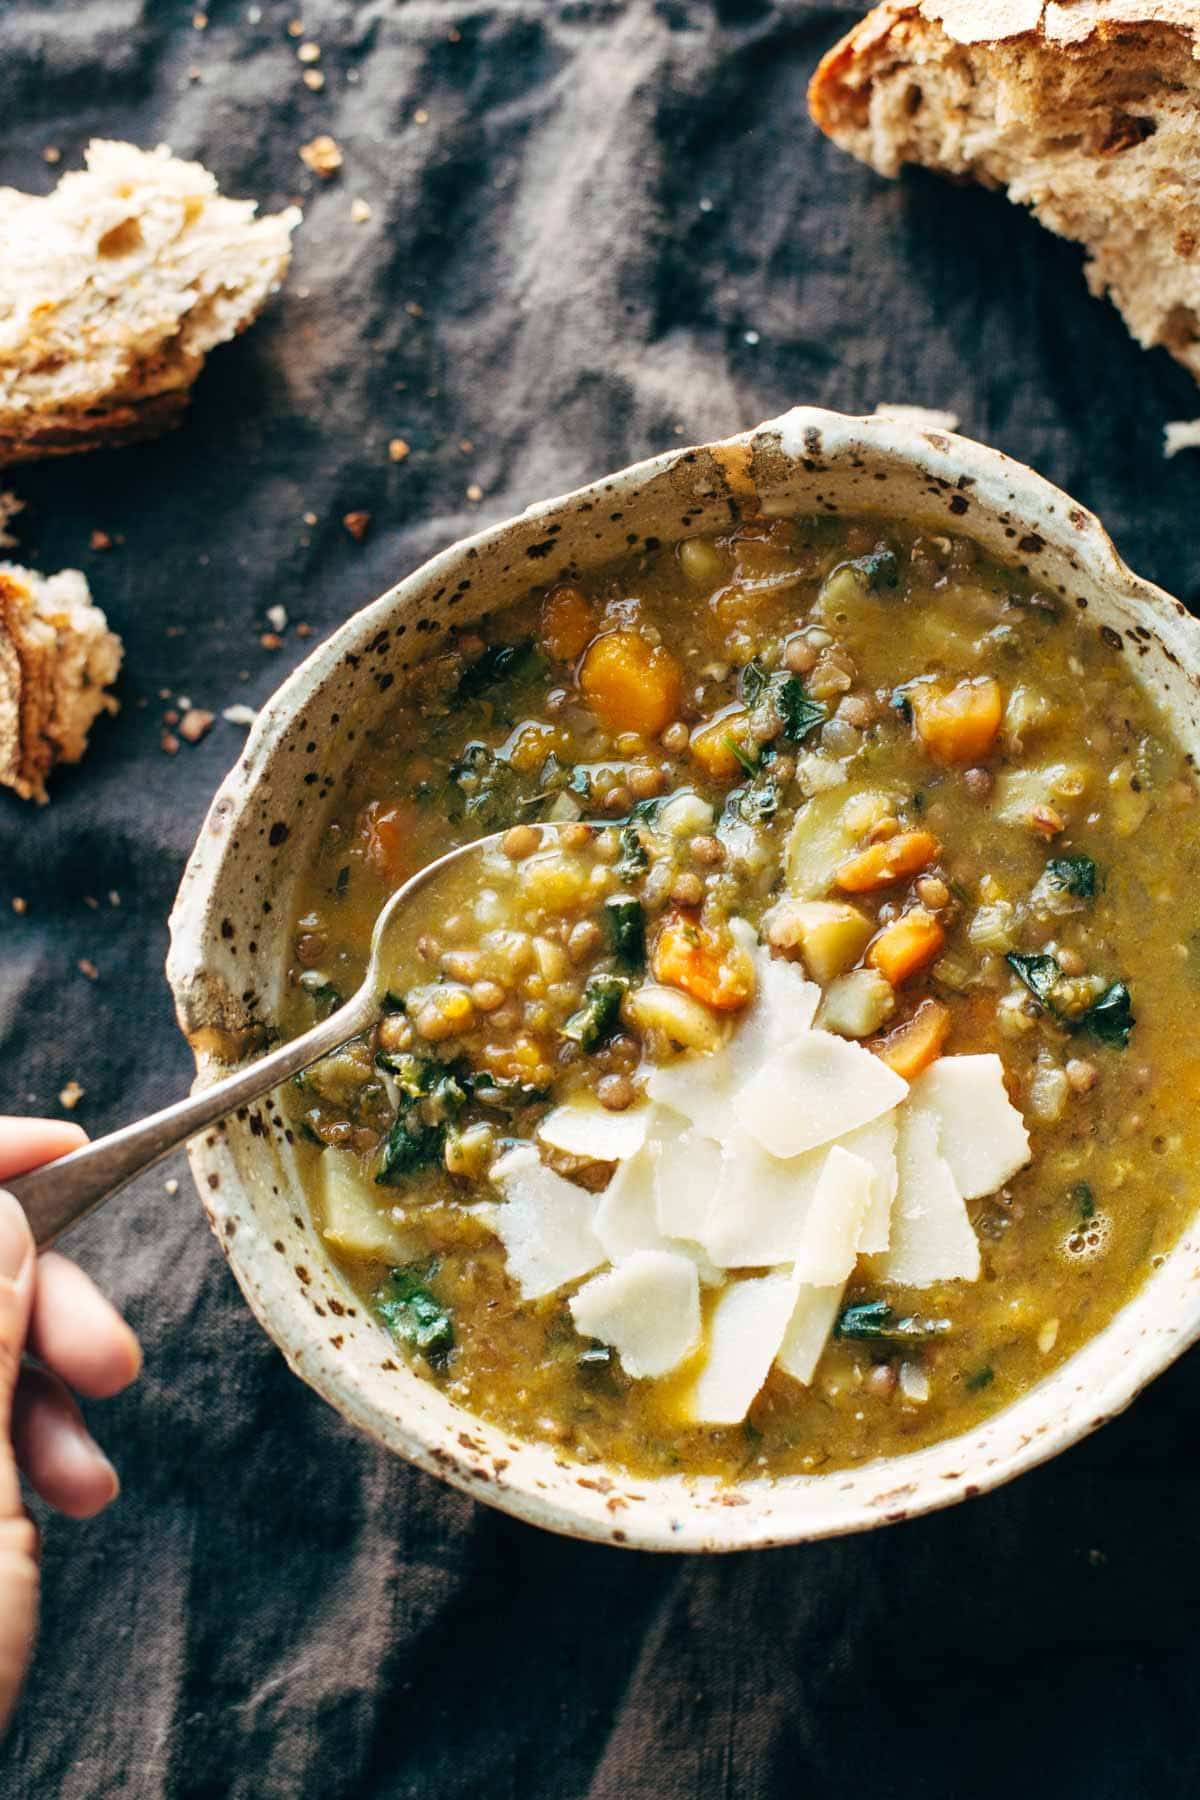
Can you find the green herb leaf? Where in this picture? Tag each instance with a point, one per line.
(1041, 974)
(1110, 1018)
(411, 1144)
(626, 922)
(880, 567)
(1084, 1201)
(499, 662)
(981, 1379)
(342, 881)
(875, 1319)
(735, 749)
(800, 715)
(597, 1018)
(413, 1314)
(1074, 874)
(752, 805)
(753, 683)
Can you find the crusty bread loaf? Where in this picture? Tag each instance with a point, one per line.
(112, 291)
(1087, 111)
(57, 656)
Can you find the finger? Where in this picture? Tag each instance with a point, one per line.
(28, 1143)
(16, 1298)
(75, 1331)
(18, 1615)
(58, 1455)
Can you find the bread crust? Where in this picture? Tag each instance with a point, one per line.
(57, 657)
(1087, 111)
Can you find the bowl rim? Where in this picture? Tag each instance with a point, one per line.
(818, 438)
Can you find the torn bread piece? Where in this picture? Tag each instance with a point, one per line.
(114, 288)
(57, 658)
(1088, 113)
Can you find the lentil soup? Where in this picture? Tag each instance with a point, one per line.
(820, 1081)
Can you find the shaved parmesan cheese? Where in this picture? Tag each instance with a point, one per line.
(808, 1330)
(876, 1144)
(745, 1331)
(760, 1206)
(932, 1236)
(648, 1309)
(828, 1247)
(582, 1127)
(981, 1134)
(697, 1087)
(547, 1225)
(814, 1090)
(626, 1220)
(687, 1167)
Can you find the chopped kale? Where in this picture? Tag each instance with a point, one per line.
(488, 787)
(751, 805)
(1084, 1201)
(310, 1136)
(880, 568)
(412, 1314)
(875, 1319)
(393, 1003)
(1041, 974)
(411, 1144)
(626, 924)
(413, 1075)
(981, 1379)
(323, 994)
(633, 860)
(597, 1018)
(1110, 1018)
(503, 1094)
(341, 881)
(798, 714)
(498, 663)
(747, 761)
(899, 702)
(416, 1141)
(1074, 874)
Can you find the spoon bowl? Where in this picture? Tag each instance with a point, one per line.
(60, 1194)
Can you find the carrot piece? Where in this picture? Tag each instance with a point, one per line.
(568, 623)
(711, 969)
(959, 726)
(879, 865)
(906, 945)
(715, 745)
(631, 685)
(386, 835)
(911, 1047)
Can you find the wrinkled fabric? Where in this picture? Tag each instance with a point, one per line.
(612, 230)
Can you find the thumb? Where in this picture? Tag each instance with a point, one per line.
(18, 1537)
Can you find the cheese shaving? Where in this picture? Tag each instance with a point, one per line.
(932, 1236)
(547, 1225)
(828, 1247)
(980, 1132)
(648, 1309)
(812, 1320)
(745, 1331)
(816, 1089)
(582, 1127)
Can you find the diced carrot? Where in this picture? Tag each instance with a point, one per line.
(959, 726)
(568, 623)
(631, 685)
(912, 1046)
(879, 865)
(386, 834)
(909, 943)
(715, 745)
(715, 970)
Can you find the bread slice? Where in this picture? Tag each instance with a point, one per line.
(57, 656)
(114, 288)
(1086, 111)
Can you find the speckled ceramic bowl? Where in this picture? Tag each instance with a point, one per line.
(228, 954)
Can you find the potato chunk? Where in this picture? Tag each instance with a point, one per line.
(830, 935)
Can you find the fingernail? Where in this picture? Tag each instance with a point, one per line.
(16, 1242)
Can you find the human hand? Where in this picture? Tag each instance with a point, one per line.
(51, 1311)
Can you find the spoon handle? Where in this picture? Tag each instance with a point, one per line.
(61, 1193)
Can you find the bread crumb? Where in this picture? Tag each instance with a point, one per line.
(322, 156)
(925, 418)
(420, 117)
(169, 743)
(100, 540)
(454, 35)
(398, 449)
(52, 154)
(171, 716)
(91, 901)
(277, 617)
(309, 53)
(309, 518)
(10, 506)
(360, 212)
(1181, 434)
(200, 21)
(466, 445)
(414, 309)
(239, 714)
(20, 906)
(270, 640)
(295, 28)
(474, 492)
(171, 1187)
(313, 80)
(71, 1095)
(357, 524)
(114, 899)
(304, 631)
(88, 968)
(195, 724)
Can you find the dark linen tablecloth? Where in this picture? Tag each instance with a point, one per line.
(596, 229)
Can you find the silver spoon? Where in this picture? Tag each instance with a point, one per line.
(59, 1194)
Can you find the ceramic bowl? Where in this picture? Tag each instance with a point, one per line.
(229, 951)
